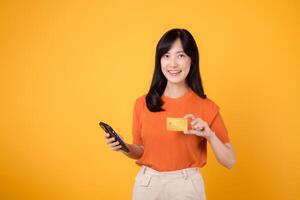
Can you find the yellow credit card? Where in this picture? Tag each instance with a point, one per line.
(177, 124)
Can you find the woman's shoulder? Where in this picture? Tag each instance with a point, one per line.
(210, 109)
(208, 103)
(140, 101)
(141, 98)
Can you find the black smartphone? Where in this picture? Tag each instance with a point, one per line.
(108, 129)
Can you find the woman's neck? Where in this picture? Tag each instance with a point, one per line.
(175, 90)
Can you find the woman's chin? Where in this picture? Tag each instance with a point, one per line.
(175, 81)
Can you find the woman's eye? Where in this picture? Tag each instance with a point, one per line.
(181, 55)
(166, 55)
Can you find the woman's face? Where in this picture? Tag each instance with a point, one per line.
(175, 64)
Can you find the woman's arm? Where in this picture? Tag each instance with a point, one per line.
(135, 151)
(223, 152)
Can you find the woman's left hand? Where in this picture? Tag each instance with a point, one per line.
(199, 127)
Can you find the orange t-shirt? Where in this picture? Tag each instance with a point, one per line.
(173, 150)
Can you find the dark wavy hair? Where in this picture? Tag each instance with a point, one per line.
(159, 81)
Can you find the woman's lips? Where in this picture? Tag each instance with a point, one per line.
(174, 72)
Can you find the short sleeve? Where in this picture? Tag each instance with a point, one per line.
(136, 125)
(219, 128)
(217, 125)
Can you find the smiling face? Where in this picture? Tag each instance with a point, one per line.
(175, 64)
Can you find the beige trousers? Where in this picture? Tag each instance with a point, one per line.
(172, 185)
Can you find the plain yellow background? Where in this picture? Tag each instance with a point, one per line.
(66, 65)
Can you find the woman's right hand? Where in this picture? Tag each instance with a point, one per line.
(114, 145)
(136, 151)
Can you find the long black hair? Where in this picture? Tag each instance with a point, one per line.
(159, 81)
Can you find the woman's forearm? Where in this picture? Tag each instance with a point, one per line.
(224, 153)
(135, 151)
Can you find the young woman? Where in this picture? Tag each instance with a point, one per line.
(170, 159)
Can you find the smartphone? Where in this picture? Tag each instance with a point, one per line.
(108, 129)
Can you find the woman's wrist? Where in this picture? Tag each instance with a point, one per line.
(135, 151)
(211, 136)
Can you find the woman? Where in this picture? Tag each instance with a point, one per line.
(169, 158)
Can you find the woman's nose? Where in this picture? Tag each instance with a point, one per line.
(173, 62)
